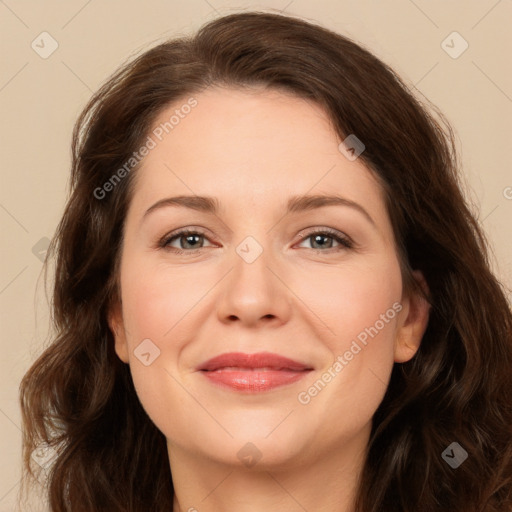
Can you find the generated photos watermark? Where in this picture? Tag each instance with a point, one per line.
(156, 136)
(305, 397)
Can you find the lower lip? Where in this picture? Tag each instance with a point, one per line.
(254, 381)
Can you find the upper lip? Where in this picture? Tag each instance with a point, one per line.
(257, 360)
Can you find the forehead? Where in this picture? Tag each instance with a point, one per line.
(250, 148)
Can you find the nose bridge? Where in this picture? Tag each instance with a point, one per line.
(251, 275)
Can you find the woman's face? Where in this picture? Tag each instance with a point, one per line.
(259, 274)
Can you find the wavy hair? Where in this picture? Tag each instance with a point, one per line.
(79, 398)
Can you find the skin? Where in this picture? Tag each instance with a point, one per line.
(308, 301)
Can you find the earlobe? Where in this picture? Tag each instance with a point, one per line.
(413, 324)
(115, 322)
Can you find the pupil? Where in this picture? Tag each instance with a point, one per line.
(319, 237)
(189, 237)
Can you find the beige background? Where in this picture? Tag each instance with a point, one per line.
(41, 98)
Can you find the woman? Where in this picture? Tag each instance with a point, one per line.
(270, 292)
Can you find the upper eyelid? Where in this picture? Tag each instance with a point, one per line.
(185, 231)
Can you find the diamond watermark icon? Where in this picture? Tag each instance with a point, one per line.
(44, 455)
(44, 45)
(249, 454)
(351, 147)
(454, 455)
(454, 45)
(146, 352)
(249, 249)
(40, 248)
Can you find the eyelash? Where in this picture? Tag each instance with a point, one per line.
(343, 240)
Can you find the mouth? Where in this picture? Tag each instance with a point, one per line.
(253, 373)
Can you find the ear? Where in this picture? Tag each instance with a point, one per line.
(116, 324)
(413, 324)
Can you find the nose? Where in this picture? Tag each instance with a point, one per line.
(254, 293)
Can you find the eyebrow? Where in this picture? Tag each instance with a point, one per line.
(207, 204)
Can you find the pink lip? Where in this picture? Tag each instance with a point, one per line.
(253, 372)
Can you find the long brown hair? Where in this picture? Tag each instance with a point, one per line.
(79, 398)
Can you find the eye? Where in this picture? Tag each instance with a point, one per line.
(187, 239)
(321, 239)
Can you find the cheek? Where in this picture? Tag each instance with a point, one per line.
(351, 298)
(361, 308)
(156, 299)
(152, 309)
